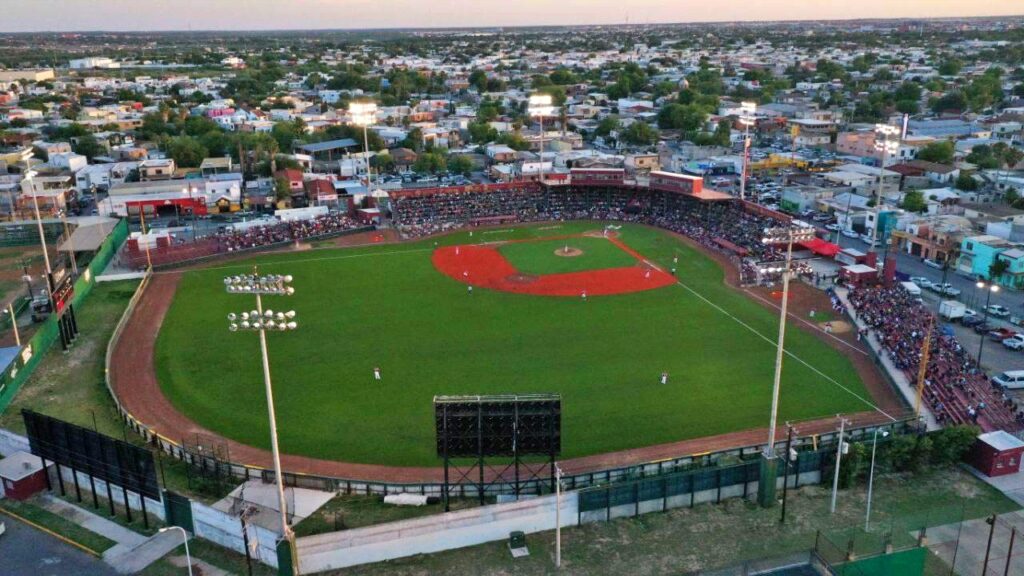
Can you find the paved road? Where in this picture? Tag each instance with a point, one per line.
(25, 551)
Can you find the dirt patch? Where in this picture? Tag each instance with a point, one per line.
(568, 252)
(835, 326)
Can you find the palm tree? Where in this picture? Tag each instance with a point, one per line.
(997, 269)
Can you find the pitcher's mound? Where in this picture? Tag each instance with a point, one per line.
(568, 252)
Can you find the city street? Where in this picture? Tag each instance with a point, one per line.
(29, 552)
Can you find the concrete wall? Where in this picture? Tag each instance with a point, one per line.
(433, 533)
(11, 443)
(153, 507)
(226, 530)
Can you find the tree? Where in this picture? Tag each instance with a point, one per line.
(413, 140)
(482, 132)
(478, 80)
(607, 125)
(460, 164)
(966, 183)
(950, 67)
(950, 102)
(639, 134)
(282, 189)
(383, 162)
(186, 151)
(87, 146)
(431, 162)
(938, 152)
(950, 445)
(685, 117)
(997, 269)
(913, 201)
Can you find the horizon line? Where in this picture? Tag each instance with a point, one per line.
(511, 27)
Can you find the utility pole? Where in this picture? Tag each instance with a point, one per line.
(785, 481)
(922, 368)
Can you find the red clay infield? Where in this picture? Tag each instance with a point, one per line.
(485, 267)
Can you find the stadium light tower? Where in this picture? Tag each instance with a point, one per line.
(541, 105)
(748, 117)
(364, 114)
(887, 141)
(262, 321)
(789, 235)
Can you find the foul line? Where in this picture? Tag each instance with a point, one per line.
(808, 323)
(787, 352)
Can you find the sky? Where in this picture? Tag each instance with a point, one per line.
(144, 15)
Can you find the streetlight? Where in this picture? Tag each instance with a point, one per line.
(886, 145)
(748, 117)
(790, 235)
(990, 289)
(541, 105)
(14, 323)
(261, 321)
(184, 536)
(871, 475)
(364, 114)
(558, 516)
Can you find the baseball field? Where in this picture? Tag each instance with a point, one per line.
(407, 309)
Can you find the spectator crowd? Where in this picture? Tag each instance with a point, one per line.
(957, 391)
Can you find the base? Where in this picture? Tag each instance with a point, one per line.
(767, 481)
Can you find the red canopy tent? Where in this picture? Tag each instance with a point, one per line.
(821, 247)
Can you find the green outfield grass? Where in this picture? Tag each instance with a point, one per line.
(387, 306)
(539, 257)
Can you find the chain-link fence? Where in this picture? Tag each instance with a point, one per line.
(989, 546)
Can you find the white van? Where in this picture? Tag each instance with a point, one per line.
(1010, 379)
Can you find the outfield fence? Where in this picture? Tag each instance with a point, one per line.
(48, 332)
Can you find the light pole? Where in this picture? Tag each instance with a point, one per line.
(558, 516)
(748, 117)
(766, 486)
(840, 446)
(191, 207)
(67, 238)
(541, 105)
(364, 114)
(14, 323)
(871, 475)
(990, 289)
(260, 320)
(885, 144)
(184, 536)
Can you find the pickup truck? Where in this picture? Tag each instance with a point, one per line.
(998, 311)
(1000, 334)
(1015, 342)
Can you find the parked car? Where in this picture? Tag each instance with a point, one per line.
(849, 233)
(983, 327)
(998, 311)
(969, 321)
(1000, 334)
(922, 282)
(950, 291)
(1015, 342)
(933, 263)
(832, 227)
(1010, 379)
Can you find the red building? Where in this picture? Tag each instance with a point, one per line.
(22, 475)
(997, 453)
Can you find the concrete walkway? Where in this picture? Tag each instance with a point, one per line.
(965, 543)
(133, 551)
(206, 568)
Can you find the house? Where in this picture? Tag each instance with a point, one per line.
(211, 166)
(320, 192)
(643, 162)
(294, 179)
(940, 173)
(977, 253)
(935, 237)
(156, 169)
(500, 153)
(404, 158)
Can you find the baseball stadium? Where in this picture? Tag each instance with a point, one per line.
(644, 307)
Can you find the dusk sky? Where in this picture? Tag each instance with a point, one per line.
(68, 15)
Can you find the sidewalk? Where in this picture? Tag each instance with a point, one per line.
(133, 551)
(906, 388)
